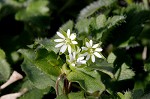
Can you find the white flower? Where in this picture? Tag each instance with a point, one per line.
(65, 41)
(74, 59)
(91, 51)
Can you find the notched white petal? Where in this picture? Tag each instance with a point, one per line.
(85, 54)
(73, 36)
(59, 45)
(84, 48)
(63, 48)
(87, 44)
(81, 58)
(72, 64)
(74, 55)
(59, 40)
(83, 61)
(97, 54)
(71, 57)
(91, 42)
(95, 46)
(74, 42)
(93, 58)
(60, 35)
(88, 57)
(69, 48)
(68, 33)
(98, 49)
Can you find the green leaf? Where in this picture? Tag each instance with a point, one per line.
(89, 80)
(124, 73)
(48, 62)
(76, 95)
(34, 9)
(42, 67)
(104, 67)
(32, 92)
(83, 25)
(72, 95)
(68, 25)
(126, 95)
(48, 44)
(115, 20)
(145, 96)
(62, 96)
(111, 58)
(37, 77)
(93, 7)
(4, 67)
(100, 21)
(137, 94)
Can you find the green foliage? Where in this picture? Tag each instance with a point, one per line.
(95, 6)
(34, 9)
(75, 95)
(88, 80)
(4, 67)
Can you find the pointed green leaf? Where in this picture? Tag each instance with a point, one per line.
(62, 96)
(76, 95)
(83, 26)
(100, 21)
(111, 58)
(124, 72)
(93, 7)
(68, 25)
(48, 44)
(115, 20)
(34, 9)
(37, 77)
(89, 80)
(4, 67)
(42, 67)
(104, 67)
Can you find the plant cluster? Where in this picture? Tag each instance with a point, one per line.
(104, 54)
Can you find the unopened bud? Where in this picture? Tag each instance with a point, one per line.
(14, 95)
(13, 78)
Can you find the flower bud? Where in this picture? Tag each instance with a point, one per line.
(13, 78)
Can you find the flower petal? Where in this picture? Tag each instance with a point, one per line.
(74, 55)
(68, 33)
(91, 42)
(80, 58)
(59, 40)
(93, 58)
(74, 42)
(72, 64)
(97, 54)
(73, 36)
(60, 35)
(98, 49)
(71, 57)
(59, 45)
(95, 46)
(83, 61)
(88, 57)
(84, 48)
(69, 48)
(85, 54)
(63, 48)
(87, 44)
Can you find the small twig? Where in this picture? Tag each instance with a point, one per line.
(144, 54)
(57, 83)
